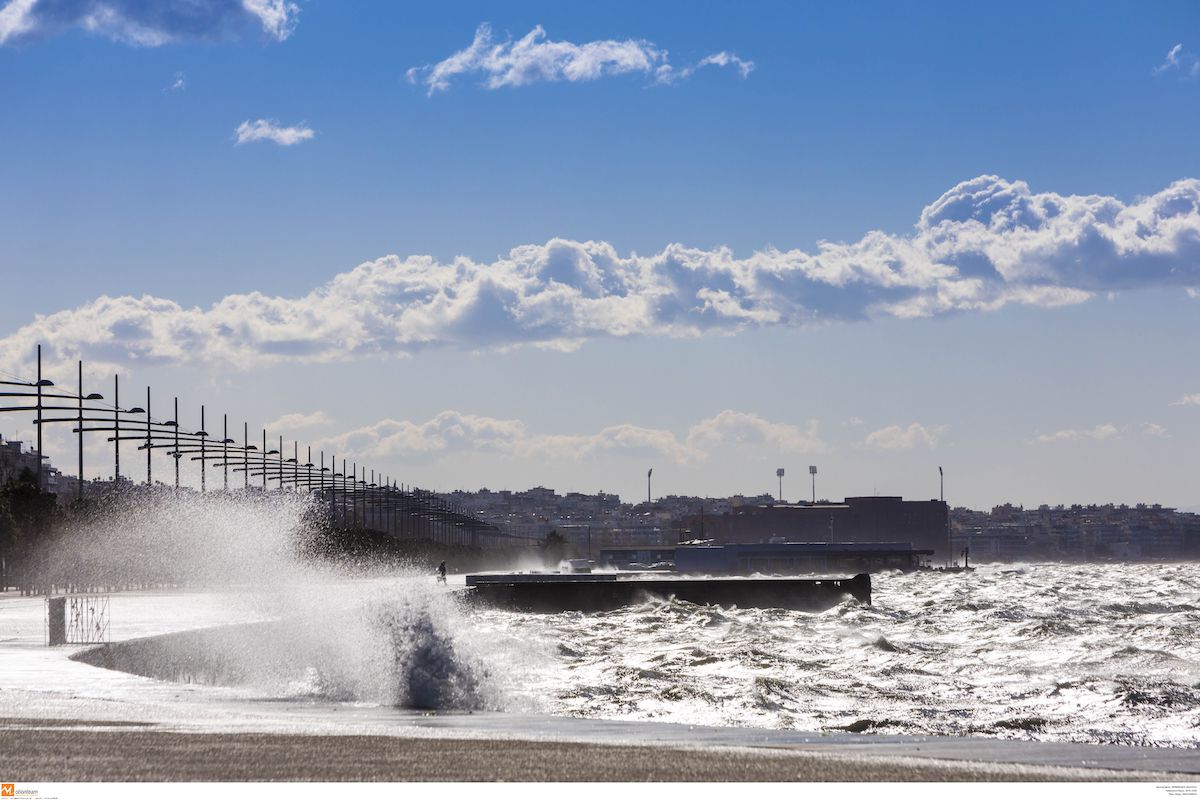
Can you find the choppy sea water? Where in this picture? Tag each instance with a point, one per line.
(1082, 653)
(1106, 654)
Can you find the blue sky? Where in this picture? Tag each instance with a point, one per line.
(1070, 378)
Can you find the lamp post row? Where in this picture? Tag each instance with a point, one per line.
(344, 488)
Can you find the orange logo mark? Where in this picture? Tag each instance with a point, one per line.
(8, 790)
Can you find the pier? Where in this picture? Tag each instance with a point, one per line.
(606, 591)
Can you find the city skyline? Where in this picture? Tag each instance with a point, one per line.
(557, 246)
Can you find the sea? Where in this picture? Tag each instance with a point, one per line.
(1095, 653)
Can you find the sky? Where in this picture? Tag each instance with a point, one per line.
(526, 244)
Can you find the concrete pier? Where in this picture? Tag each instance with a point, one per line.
(605, 591)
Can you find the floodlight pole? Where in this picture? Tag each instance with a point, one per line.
(649, 472)
(225, 448)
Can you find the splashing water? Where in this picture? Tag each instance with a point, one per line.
(339, 634)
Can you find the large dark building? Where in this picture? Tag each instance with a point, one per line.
(923, 523)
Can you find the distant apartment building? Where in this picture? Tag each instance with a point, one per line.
(1077, 533)
(15, 459)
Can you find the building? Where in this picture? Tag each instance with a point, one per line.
(14, 460)
(770, 559)
(925, 524)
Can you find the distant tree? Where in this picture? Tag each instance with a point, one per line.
(24, 523)
(8, 546)
(554, 548)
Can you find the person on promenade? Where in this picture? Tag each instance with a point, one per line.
(441, 572)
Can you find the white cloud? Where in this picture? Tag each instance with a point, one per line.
(1171, 61)
(895, 437)
(278, 17)
(178, 84)
(262, 130)
(666, 74)
(535, 59)
(148, 24)
(291, 422)
(1099, 433)
(740, 428)
(1187, 400)
(1179, 60)
(984, 244)
(453, 431)
(1154, 429)
(16, 19)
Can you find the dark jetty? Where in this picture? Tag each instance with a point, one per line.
(606, 591)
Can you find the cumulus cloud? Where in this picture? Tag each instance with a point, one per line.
(741, 428)
(453, 431)
(536, 59)
(984, 244)
(144, 24)
(896, 437)
(1178, 60)
(16, 19)
(1187, 400)
(291, 422)
(178, 84)
(1154, 429)
(666, 74)
(262, 130)
(1099, 433)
